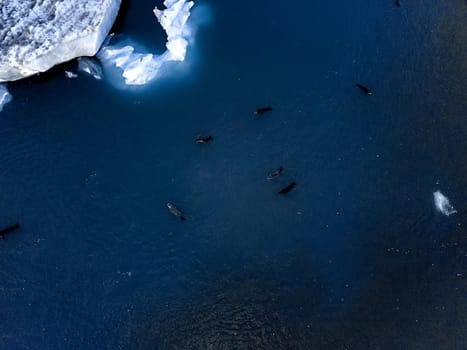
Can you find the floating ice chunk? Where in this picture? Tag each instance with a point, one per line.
(5, 96)
(139, 68)
(90, 66)
(173, 20)
(70, 75)
(442, 204)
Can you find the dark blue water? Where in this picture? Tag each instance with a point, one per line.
(356, 257)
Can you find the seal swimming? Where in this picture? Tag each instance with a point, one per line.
(9, 229)
(288, 188)
(364, 89)
(262, 110)
(173, 209)
(275, 173)
(204, 139)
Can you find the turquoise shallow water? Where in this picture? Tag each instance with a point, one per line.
(355, 257)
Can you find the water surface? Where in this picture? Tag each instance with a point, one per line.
(355, 257)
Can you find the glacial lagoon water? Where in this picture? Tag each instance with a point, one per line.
(355, 257)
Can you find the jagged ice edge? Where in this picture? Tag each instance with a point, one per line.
(139, 68)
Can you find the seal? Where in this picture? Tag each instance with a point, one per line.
(364, 89)
(9, 229)
(261, 110)
(288, 188)
(173, 209)
(204, 139)
(275, 173)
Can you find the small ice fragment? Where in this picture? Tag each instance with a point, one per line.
(90, 66)
(70, 74)
(5, 96)
(442, 204)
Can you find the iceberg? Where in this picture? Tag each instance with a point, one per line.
(5, 96)
(173, 20)
(442, 204)
(137, 68)
(36, 35)
(140, 68)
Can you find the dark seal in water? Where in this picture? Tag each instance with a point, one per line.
(173, 209)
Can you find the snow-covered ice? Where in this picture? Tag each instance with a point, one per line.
(140, 68)
(442, 204)
(35, 35)
(5, 96)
